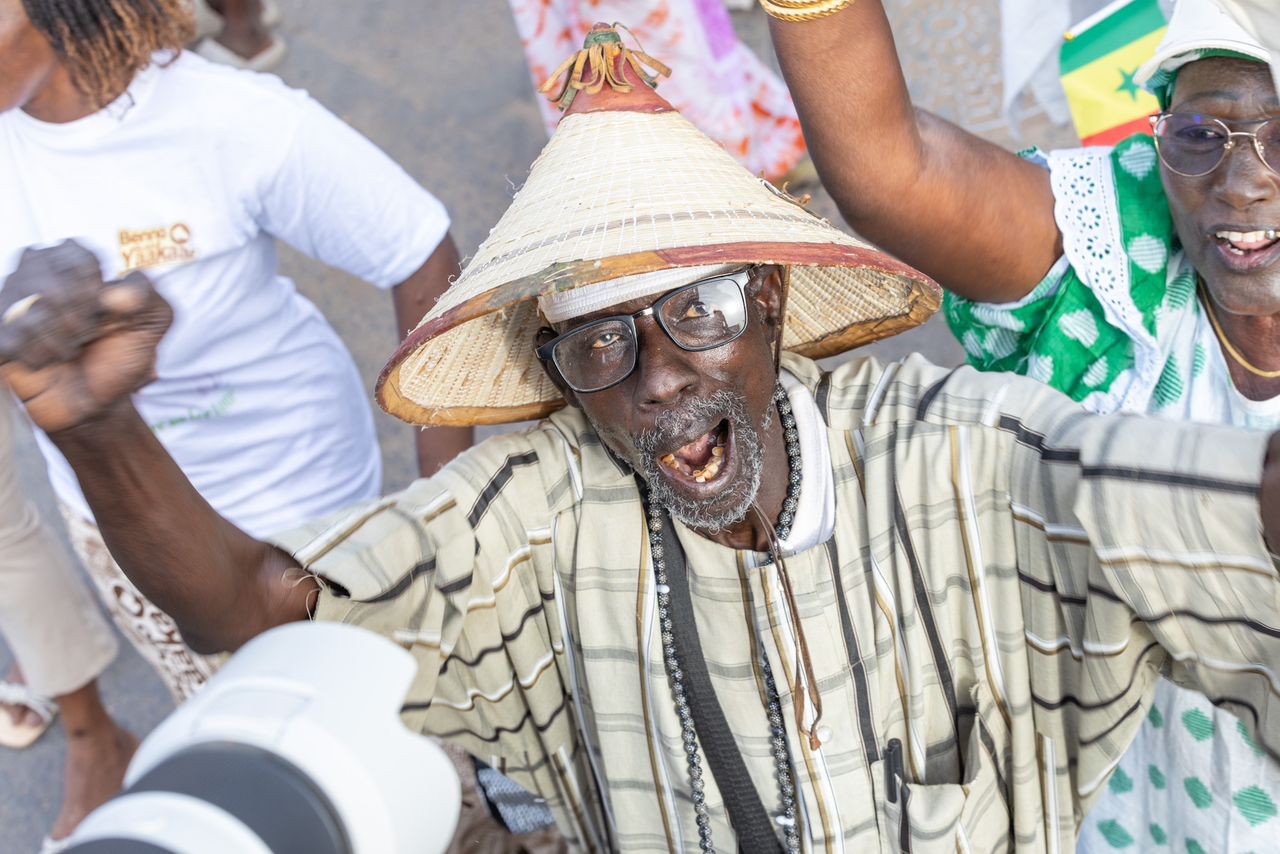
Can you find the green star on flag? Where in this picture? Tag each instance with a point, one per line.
(1128, 86)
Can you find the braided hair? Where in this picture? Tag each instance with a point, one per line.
(104, 43)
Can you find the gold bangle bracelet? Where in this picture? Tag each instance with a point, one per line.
(803, 10)
(796, 5)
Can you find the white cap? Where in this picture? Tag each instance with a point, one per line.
(1196, 26)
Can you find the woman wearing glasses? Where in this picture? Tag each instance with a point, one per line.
(1144, 278)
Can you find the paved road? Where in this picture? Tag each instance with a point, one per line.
(442, 86)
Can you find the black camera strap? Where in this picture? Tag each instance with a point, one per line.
(750, 820)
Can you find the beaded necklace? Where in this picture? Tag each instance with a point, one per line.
(786, 817)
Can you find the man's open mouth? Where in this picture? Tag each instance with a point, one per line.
(702, 459)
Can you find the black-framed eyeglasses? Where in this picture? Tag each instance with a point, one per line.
(700, 316)
(1193, 144)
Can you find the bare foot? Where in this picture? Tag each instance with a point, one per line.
(96, 761)
(21, 715)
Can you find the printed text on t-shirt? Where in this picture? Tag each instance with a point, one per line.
(155, 247)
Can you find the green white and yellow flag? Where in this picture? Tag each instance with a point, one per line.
(1099, 60)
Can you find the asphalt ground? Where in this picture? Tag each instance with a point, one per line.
(441, 85)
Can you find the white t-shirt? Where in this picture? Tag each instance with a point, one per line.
(190, 177)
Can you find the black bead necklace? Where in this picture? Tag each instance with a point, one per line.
(786, 817)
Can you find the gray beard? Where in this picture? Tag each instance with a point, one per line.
(732, 505)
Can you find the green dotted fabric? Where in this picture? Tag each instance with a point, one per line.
(1196, 782)
(1059, 334)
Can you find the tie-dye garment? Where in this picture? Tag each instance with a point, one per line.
(717, 82)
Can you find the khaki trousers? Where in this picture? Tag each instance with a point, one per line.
(47, 615)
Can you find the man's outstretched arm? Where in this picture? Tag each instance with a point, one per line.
(74, 349)
(220, 585)
(1142, 546)
(975, 217)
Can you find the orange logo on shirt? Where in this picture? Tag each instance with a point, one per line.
(155, 247)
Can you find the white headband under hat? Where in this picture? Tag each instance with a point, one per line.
(566, 305)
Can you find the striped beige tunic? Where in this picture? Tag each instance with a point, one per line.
(1007, 578)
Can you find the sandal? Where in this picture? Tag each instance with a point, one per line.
(18, 736)
(54, 846)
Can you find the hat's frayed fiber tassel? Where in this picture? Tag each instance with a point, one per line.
(601, 60)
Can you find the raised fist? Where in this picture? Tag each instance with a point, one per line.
(72, 345)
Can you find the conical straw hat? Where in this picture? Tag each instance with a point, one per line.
(625, 186)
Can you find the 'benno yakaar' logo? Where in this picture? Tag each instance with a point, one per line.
(156, 247)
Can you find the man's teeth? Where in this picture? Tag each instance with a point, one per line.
(707, 472)
(704, 474)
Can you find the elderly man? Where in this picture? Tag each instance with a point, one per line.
(722, 598)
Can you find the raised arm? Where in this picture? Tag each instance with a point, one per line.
(975, 217)
(73, 350)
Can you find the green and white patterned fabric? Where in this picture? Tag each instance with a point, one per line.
(1118, 326)
(1194, 780)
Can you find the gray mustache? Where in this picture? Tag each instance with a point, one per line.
(722, 404)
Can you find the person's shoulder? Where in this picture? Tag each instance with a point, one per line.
(914, 391)
(521, 468)
(222, 96)
(526, 446)
(367, 548)
(1121, 180)
(863, 390)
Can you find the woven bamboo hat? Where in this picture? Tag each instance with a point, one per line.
(627, 186)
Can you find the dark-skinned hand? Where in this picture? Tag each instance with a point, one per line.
(71, 345)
